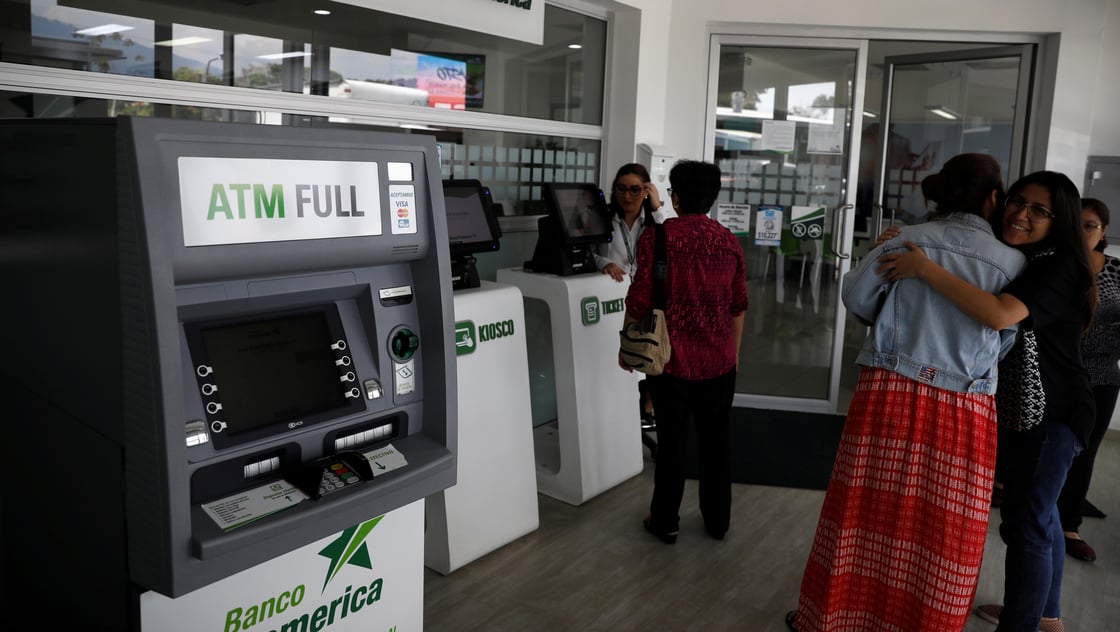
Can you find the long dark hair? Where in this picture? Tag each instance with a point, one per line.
(1066, 233)
(637, 169)
(964, 184)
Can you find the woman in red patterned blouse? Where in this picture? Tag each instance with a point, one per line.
(705, 300)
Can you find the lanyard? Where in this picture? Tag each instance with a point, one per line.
(626, 242)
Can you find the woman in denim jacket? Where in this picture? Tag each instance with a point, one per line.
(901, 534)
(1055, 297)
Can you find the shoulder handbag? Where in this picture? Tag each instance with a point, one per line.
(644, 344)
(1020, 400)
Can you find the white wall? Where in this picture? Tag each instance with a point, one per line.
(673, 59)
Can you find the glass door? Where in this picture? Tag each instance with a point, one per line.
(934, 106)
(780, 115)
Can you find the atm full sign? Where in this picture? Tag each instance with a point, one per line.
(249, 200)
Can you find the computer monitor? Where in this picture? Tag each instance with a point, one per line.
(581, 210)
(472, 227)
(576, 222)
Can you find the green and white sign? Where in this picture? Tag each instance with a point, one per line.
(807, 222)
(589, 310)
(468, 336)
(251, 200)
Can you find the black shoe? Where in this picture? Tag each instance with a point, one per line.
(1079, 549)
(668, 537)
(1089, 510)
(997, 496)
(715, 533)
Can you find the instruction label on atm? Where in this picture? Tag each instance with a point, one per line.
(405, 377)
(252, 200)
(253, 504)
(385, 460)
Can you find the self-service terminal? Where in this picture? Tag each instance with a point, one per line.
(221, 342)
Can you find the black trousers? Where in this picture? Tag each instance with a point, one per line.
(1072, 501)
(705, 404)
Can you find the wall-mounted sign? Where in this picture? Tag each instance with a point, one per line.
(514, 19)
(807, 222)
(251, 200)
(735, 217)
(768, 226)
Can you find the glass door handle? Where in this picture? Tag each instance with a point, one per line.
(839, 221)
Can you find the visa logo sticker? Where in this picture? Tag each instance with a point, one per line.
(402, 199)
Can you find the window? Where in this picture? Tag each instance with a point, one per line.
(354, 67)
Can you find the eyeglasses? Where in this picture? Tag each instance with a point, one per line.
(1090, 226)
(634, 190)
(669, 190)
(1036, 212)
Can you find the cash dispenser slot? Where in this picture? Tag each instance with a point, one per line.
(229, 477)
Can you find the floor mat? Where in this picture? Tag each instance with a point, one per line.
(779, 448)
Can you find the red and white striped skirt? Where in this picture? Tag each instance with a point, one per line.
(901, 533)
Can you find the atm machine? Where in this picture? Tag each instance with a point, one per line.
(222, 343)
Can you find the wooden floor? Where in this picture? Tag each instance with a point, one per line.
(593, 567)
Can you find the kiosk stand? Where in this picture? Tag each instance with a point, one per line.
(595, 441)
(494, 500)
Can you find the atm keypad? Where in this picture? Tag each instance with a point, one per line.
(337, 476)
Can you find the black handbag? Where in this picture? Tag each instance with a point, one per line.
(1020, 399)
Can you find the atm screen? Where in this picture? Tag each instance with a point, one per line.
(279, 371)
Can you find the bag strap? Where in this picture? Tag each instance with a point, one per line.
(660, 266)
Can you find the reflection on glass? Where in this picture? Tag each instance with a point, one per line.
(352, 53)
(782, 148)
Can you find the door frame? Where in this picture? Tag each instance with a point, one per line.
(843, 216)
(1024, 92)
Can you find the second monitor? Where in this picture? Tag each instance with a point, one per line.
(577, 221)
(472, 227)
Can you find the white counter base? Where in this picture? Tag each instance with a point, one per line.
(595, 441)
(494, 499)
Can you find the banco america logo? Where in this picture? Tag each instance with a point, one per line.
(349, 548)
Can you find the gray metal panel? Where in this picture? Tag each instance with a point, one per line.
(106, 249)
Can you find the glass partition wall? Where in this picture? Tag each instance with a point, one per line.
(513, 114)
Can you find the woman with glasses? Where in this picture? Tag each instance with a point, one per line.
(634, 205)
(1055, 297)
(1101, 352)
(901, 533)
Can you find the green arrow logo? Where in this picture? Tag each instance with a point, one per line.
(349, 548)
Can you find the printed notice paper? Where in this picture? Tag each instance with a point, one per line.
(778, 135)
(735, 217)
(768, 226)
(253, 504)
